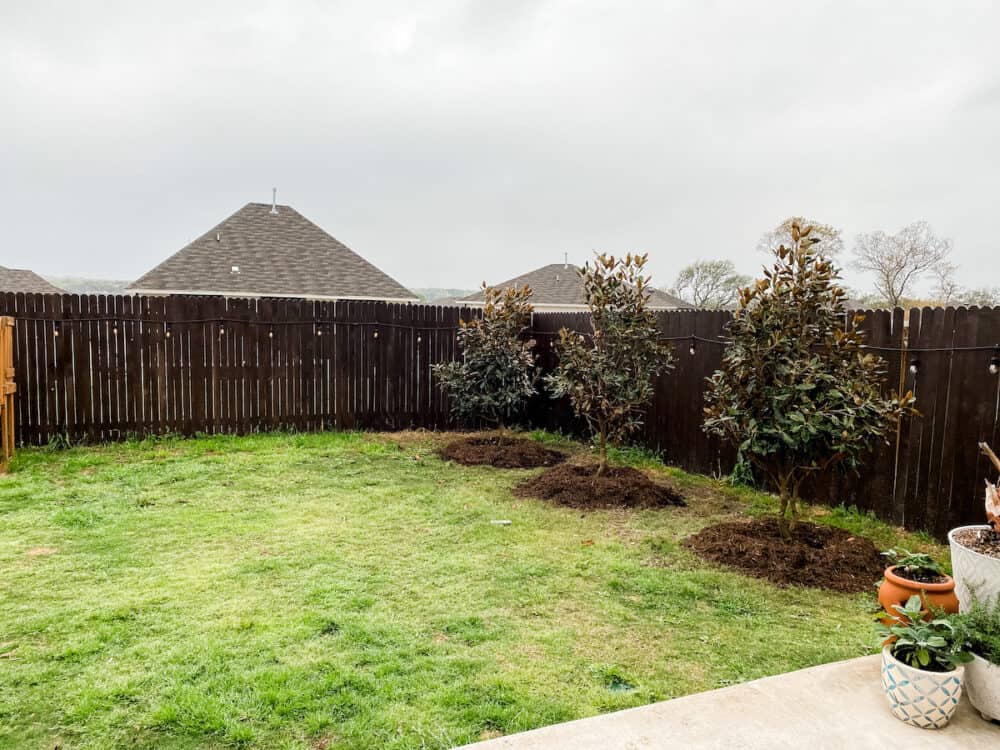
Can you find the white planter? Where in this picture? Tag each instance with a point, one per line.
(924, 699)
(973, 571)
(982, 684)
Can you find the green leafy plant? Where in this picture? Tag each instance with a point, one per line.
(496, 373)
(797, 392)
(936, 645)
(980, 627)
(607, 376)
(911, 564)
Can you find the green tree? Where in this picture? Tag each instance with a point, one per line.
(496, 373)
(797, 393)
(607, 375)
(709, 284)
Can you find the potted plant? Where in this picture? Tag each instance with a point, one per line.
(975, 550)
(922, 665)
(916, 573)
(981, 629)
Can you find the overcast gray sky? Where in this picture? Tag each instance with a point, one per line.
(451, 141)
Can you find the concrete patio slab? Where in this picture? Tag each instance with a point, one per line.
(838, 705)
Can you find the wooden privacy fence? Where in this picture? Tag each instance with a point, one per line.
(104, 367)
(97, 367)
(7, 390)
(930, 474)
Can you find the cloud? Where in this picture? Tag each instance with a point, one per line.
(452, 141)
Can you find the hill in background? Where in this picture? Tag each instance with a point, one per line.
(433, 293)
(81, 285)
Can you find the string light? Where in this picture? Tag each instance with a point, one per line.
(222, 328)
(995, 360)
(114, 328)
(375, 335)
(270, 333)
(694, 347)
(167, 331)
(55, 328)
(914, 365)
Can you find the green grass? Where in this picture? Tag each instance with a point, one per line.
(349, 590)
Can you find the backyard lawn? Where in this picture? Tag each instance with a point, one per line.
(349, 590)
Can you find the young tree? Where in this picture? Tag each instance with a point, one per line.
(796, 392)
(709, 284)
(829, 235)
(899, 260)
(607, 375)
(495, 376)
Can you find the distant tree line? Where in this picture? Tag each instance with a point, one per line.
(898, 263)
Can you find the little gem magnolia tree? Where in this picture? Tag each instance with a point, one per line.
(607, 375)
(797, 392)
(495, 376)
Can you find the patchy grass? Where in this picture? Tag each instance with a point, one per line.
(343, 590)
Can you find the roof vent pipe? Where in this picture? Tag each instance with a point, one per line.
(274, 201)
(565, 260)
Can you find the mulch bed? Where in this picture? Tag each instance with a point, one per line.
(984, 541)
(820, 556)
(501, 452)
(577, 486)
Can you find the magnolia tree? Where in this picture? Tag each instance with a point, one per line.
(608, 375)
(496, 373)
(797, 392)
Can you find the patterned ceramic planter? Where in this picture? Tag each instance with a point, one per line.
(924, 699)
(973, 571)
(982, 684)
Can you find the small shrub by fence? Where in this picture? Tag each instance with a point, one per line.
(93, 368)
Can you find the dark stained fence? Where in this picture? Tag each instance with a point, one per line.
(928, 475)
(93, 368)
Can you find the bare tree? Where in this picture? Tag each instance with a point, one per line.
(828, 237)
(946, 289)
(987, 296)
(900, 260)
(709, 284)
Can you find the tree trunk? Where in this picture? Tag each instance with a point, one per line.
(784, 496)
(602, 451)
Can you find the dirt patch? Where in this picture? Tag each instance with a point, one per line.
(501, 452)
(984, 541)
(577, 486)
(820, 556)
(41, 551)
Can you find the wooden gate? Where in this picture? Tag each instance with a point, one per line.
(7, 390)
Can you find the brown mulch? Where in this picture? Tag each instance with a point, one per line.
(578, 486)
(820, 556)
(501, 452)
(984, 541)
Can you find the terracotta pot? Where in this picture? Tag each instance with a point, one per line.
(897, 590)
(973, 571)
(924, 699)
(982, 685)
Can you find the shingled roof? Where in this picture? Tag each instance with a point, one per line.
(259, 253)
(560, 285)
(29, 282)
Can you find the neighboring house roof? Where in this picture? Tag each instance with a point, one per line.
(29, 282)
(258, 253)
(560, 285)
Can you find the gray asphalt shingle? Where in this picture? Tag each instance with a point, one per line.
(560, 284)
(275, 254)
